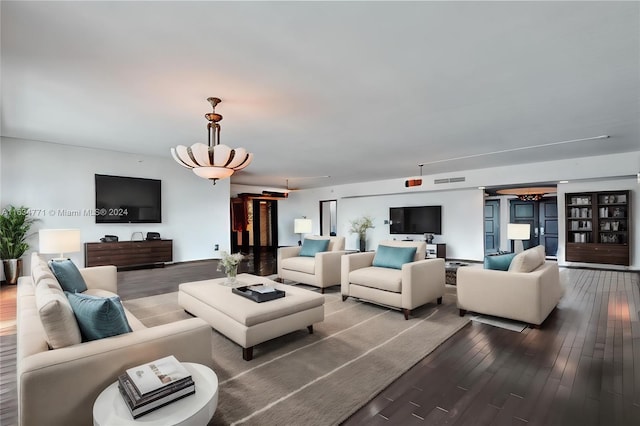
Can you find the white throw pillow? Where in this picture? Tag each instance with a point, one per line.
(528, 260)
(39, 269)
(56, 315)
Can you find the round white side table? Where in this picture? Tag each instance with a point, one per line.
(197, 409)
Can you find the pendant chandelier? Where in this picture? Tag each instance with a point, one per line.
(213, 161)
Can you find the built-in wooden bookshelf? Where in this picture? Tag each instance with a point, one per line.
(598, 225)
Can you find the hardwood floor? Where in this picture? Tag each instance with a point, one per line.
(582, 367)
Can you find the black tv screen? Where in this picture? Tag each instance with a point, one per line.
(415, 220)
(128, 200)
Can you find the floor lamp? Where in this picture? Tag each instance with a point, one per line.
(302, 226)
(59, 241)
(518, 232)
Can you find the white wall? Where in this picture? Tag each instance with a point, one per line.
(50, 177)
(462, 216)
(463, 204)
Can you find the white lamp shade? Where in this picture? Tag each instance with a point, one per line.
(213, 172)
(518, 231)
(59, 241)
(302, 226)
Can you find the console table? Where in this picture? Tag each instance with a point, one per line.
(128, 253)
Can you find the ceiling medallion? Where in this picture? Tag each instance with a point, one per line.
(213, 161)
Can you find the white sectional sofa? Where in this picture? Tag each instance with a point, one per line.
(527, 292)
(59, 386)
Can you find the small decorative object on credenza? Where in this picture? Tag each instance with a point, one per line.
(150, 386)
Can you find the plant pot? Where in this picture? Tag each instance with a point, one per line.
(12, 270)
(363, 244)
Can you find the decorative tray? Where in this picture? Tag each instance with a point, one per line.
(258, 296)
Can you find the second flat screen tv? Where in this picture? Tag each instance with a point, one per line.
(128, 200)
(415, 220)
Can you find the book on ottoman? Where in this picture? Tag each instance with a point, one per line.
(153, 385)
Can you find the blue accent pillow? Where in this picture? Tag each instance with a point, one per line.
(500, 262)
(311, 247)
(393, 257)
(98, 317)
(68, 275)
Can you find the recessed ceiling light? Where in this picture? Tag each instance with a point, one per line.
(564, 181)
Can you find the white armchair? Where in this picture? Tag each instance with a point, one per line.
(417, 283)
(527, 292)
(322, 270)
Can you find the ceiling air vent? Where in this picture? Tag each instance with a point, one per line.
(449, 180)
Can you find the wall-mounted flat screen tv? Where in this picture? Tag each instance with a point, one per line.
(128, 200)
(415, 220)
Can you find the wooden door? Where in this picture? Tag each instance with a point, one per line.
(548, 225)
(491, 226)
(525, 212)
(542, 216)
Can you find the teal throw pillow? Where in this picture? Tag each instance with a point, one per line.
(311, 247)
(393, 257)
(500, 262)
(98, 317)
(68, 275)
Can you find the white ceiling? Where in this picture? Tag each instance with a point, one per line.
(359, 91)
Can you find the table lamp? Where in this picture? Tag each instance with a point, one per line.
(59, 241)
(518, 232)
(302, 226)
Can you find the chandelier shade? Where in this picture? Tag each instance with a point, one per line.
(213, 161)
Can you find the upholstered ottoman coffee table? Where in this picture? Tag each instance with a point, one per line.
(246, 322)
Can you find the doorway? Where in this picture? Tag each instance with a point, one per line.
(254, 225)
(329, 217)
(491, 226)
(265, 226)
(542, 216)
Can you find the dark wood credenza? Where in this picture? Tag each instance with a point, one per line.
(129, 254)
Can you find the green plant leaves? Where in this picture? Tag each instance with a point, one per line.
(14, 226)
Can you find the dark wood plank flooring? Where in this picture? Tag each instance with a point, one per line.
(133, 284)
(582, 367)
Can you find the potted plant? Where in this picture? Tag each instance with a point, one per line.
(360, 226)
(14, 226)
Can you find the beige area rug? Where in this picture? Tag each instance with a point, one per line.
(320, 378)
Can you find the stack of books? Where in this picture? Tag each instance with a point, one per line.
(153, 385)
